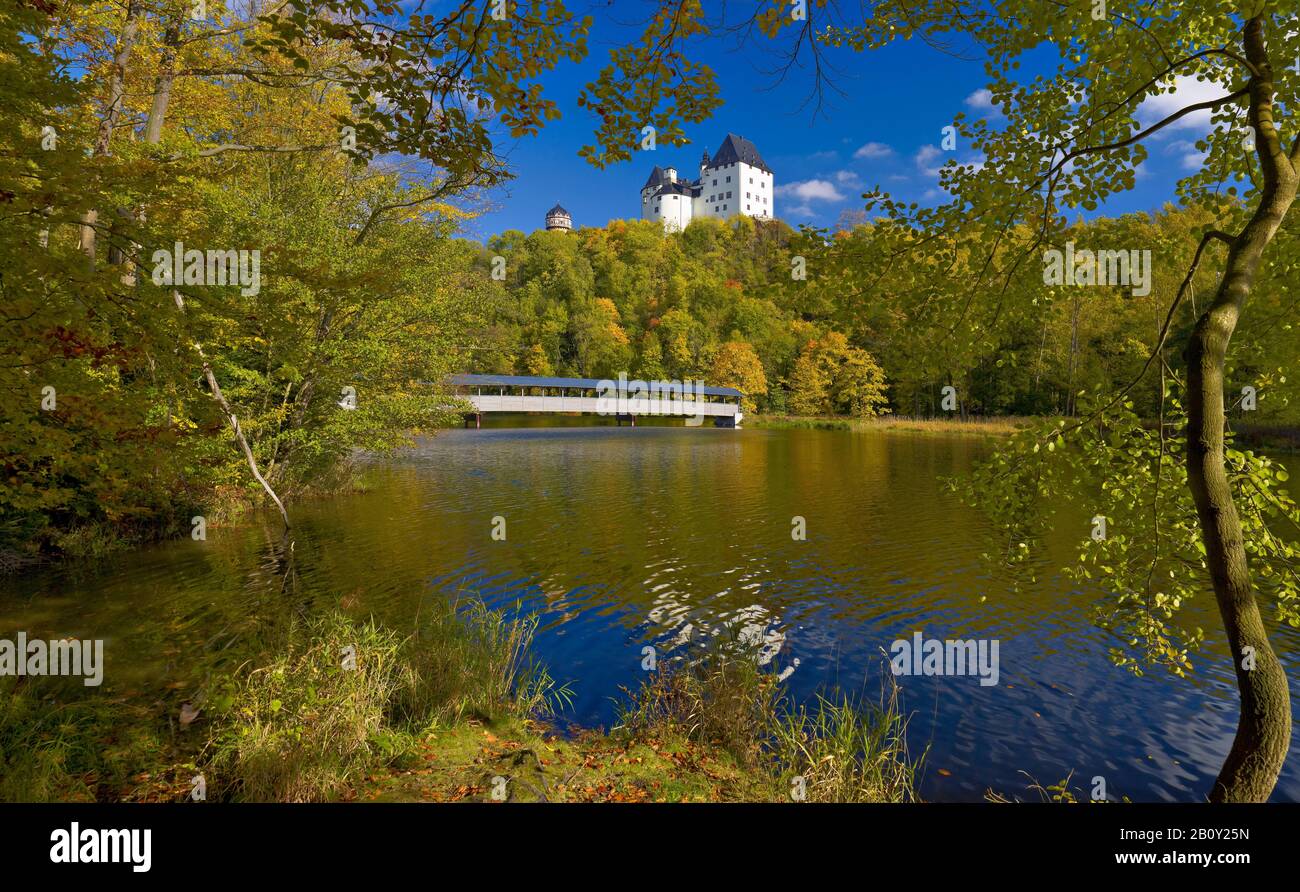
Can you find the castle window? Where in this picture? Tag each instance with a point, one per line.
(728, 179)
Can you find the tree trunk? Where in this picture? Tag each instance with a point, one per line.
(112, 112)
(127, 217)
(240, 438)
(162, 91)
(1264, 727)
(232, 418)
(1070, 404)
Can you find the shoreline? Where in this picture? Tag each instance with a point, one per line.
(980, 426)
(1284, 438)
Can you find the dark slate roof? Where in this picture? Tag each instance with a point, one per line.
(582, 383)
(657, 176)
(681, 187)
(557, 210)
(736, 148)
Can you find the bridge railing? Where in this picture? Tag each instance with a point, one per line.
(590, 396)
(643, 406)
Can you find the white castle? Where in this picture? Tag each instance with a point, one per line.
(734, 181)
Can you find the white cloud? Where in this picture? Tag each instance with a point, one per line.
(926, 154)
(848, 179)
(811, 190)
(981, 100)
(1189, 157)
(1187, 91)
(830, 155)
(925, 160)
(873, 150)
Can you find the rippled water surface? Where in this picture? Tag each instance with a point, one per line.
(622, 537)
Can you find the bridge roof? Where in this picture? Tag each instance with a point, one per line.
(583, 383)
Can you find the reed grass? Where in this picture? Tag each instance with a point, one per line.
(346, 699)
(840, 749)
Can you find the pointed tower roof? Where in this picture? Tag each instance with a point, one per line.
(657, 176)
(735, 149)
(557, 210)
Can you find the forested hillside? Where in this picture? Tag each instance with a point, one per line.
(723, 301)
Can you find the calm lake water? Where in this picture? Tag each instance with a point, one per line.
(622, 537)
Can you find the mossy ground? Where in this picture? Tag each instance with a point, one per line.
(460, 764)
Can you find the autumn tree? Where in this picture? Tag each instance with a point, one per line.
(860, 385)
(737, 365)
(1071, 138)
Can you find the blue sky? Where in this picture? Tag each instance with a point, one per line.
(884, 130)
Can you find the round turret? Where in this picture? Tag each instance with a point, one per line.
(558, 220)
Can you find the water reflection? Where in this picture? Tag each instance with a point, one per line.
(622, 538)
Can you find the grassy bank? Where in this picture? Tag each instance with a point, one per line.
(457, 710)
(974, 426)
(1267, 437)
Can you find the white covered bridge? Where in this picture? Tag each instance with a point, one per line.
(621, 399)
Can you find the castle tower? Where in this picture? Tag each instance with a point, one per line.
(558, 220)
